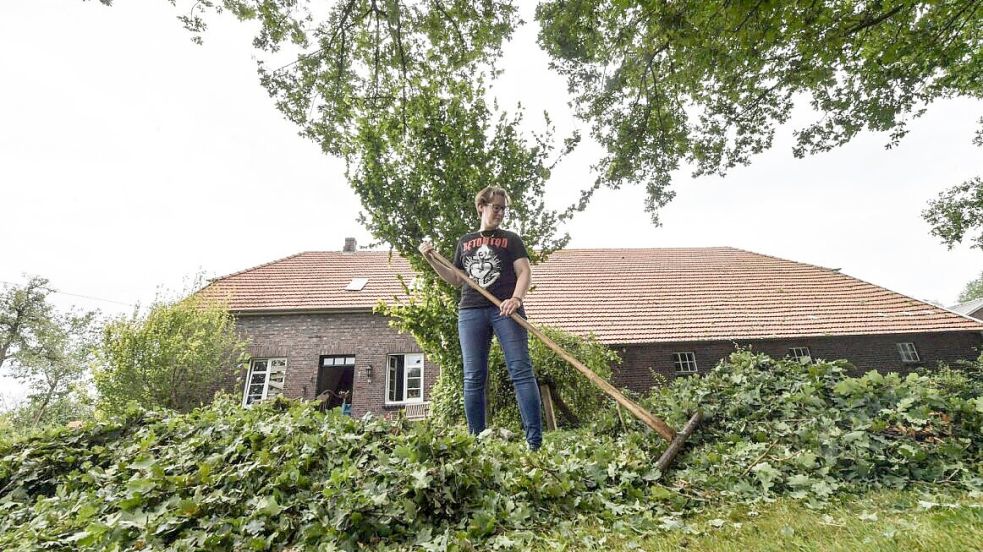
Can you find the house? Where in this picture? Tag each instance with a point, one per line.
(973, 309)
(673, 312)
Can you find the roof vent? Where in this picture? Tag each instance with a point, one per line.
(357, 284)
(349, 245)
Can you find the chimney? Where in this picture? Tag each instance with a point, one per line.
(349, 245)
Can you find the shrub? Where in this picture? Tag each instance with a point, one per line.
(282, 474)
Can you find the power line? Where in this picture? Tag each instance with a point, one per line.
(77, 295)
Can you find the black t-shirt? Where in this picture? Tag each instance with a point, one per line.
(487, 257)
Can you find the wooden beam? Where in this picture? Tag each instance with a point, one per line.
(562, 406)
(677, 444)
(544, 391)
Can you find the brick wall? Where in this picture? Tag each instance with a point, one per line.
(303, 338)
(866, 352)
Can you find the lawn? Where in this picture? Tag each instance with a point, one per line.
(889, 520)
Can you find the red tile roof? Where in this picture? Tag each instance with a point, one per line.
(315, 280)
(626, 295)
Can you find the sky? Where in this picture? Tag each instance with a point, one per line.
(132, 161)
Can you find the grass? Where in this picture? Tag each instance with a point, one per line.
(947, 521)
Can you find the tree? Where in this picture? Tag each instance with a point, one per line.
(707, 82)
(956, 212)
(57, 369)
(24, 311)
(174, 357)
(662, 83)
(973, 290)
(49, 352)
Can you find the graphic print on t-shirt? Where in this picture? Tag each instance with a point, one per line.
(484, 267)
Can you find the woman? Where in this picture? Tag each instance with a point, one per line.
(496, 260)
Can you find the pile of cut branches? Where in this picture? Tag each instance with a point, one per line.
(283, 474)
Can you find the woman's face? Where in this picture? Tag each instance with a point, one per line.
(492, 213)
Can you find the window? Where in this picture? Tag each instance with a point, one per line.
(800, 353)
(908, 352)
(338, 360)
(685, 363)
(265, 379)
(357, 284)
(404, 378)
(335, 380)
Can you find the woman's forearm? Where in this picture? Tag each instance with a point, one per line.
(522, 282)
(446, 274)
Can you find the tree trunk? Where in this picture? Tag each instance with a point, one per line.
(44, 405)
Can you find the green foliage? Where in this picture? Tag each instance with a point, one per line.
(174, 357)
(584, 399)
(808, 430)
(50, 353)
(282, 474)
(418, 176)
(963, 380)
(36, 414)
(701, 82)
(430, 317)
(973, 290)
(24, 314)
(708, 82)
(956, 212)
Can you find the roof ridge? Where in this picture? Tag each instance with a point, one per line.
(724, 247)
(880, 287)
(972, 304)
(216, 279)
(839, 273)
(826, 268)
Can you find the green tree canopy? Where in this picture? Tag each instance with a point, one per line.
(973, 290)
(24, 313)
(708, 82)
(49, 352)
(660, 83)
(956, 212)
(176, 356)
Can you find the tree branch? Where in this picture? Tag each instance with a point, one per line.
(875, 21)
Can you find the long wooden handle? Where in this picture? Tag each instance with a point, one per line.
(647, 418)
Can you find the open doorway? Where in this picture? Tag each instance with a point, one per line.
(335, 381)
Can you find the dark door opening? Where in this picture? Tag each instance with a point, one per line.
(335, 381)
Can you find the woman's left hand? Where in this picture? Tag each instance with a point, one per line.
(509, 306)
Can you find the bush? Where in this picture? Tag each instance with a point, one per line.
(781, 427)
(583, 398)
(282, 474)
(174, 357)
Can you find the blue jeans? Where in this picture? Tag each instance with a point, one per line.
(475, 327)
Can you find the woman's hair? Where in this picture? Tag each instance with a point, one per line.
(486, 195)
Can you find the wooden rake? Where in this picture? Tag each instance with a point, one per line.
(675, 439)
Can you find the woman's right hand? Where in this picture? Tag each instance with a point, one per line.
(426, 248)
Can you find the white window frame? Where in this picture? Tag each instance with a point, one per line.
(908, 352)
(406, 378)
(270, 382)
(798, 352)
(685, 363)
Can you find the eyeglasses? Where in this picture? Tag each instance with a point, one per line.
(497, 208)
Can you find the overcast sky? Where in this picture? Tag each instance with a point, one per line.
(132, 159)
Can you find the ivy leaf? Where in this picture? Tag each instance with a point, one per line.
(255, 527)
(766, 475)
(421, 480)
